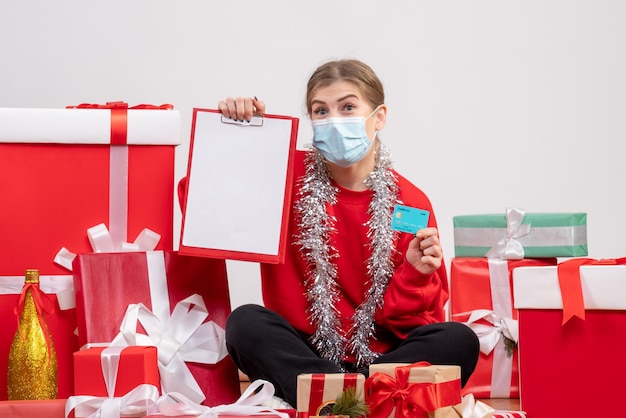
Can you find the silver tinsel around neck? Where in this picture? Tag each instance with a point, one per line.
(316, 227)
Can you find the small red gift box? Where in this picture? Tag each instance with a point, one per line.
(418, 390)
(126, 369)
(53, 408)
(481, 295)
(67, 170)
(571, 359)
(107, 284)
(62, 324)
(316, 390)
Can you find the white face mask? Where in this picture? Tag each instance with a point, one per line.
(342, 141)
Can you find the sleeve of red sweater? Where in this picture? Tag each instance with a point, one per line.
(412, 298)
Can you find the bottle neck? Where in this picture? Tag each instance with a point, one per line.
(32, 276)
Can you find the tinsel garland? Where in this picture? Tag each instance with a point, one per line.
(316, 227)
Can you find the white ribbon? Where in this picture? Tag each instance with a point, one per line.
(138, 402)
(176, 404)
(473, 408)
(490, 335)
(181, 337)
(509, 248)
(102, 242)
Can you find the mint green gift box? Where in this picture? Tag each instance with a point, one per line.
(516, 235)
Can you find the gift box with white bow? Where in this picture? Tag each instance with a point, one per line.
(572, 328)
(160, 298)
(515, 235)
(481, 296)
(66, 170)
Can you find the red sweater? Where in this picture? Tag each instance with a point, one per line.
(412, 299)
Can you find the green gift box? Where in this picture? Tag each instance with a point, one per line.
(515, 235)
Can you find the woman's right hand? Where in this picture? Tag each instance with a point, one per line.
(241, 108)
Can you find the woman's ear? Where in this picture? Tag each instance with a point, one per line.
(381, 117)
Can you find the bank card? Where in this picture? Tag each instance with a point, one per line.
(408, 219)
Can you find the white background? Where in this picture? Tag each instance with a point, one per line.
(491, 103)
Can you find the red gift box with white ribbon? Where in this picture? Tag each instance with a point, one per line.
(572, 325)
(177, 303)
(67, 170)
(481, 296)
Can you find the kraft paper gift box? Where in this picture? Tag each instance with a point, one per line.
(166, 289)
(124, 368)
(61, 322)
(572, 324)
(481, 296)
(66, 170)
(316, 390)
(517, 235)
(418, 390)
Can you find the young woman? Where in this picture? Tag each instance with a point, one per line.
(352, 291)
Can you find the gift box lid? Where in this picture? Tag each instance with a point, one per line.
(603, 287)
(88, 126)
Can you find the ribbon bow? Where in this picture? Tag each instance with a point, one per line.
(414, 400)
(259, 391)
(473, 408)
(102, 242)
(509, 248)
(571, 288)
(42, 306)
(497, 327)
(138, 402)
(181, 337)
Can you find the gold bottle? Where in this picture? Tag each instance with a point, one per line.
(32, 359)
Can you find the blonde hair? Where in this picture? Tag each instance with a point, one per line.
(350, 70)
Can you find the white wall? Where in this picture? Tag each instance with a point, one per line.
(491, 103)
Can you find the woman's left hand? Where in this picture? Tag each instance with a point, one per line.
(424, 252)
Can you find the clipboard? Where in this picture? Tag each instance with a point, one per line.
(240, 177)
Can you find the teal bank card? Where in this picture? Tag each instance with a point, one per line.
(408, 219)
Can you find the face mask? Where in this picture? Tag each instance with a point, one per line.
(342, 141)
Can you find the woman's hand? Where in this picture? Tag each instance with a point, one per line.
(241, 108)
(424, 252)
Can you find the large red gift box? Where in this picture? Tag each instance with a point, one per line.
(125, 367)
(66, 170)
(62, 325)
(108, 283)
(571, 366)
(481, 295)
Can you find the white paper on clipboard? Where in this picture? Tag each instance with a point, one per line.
(239, 187)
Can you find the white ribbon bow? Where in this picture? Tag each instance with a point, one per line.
(138, 402)
(102, 242)
(181, 337)
(176, 404)
(473, 408)
(509, 248)
(489, 335)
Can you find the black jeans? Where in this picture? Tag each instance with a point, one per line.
(266, 346)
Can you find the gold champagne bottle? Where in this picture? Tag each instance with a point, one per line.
(32, 359)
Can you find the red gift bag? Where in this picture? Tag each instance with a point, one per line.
(108, 283)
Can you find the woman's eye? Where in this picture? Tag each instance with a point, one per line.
(349, 107)
(320, 111)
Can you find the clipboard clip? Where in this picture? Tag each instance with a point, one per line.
(257, 120)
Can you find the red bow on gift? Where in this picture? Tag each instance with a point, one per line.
(571, 289)
(42, 306)
(119, 116)
(410, 399)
